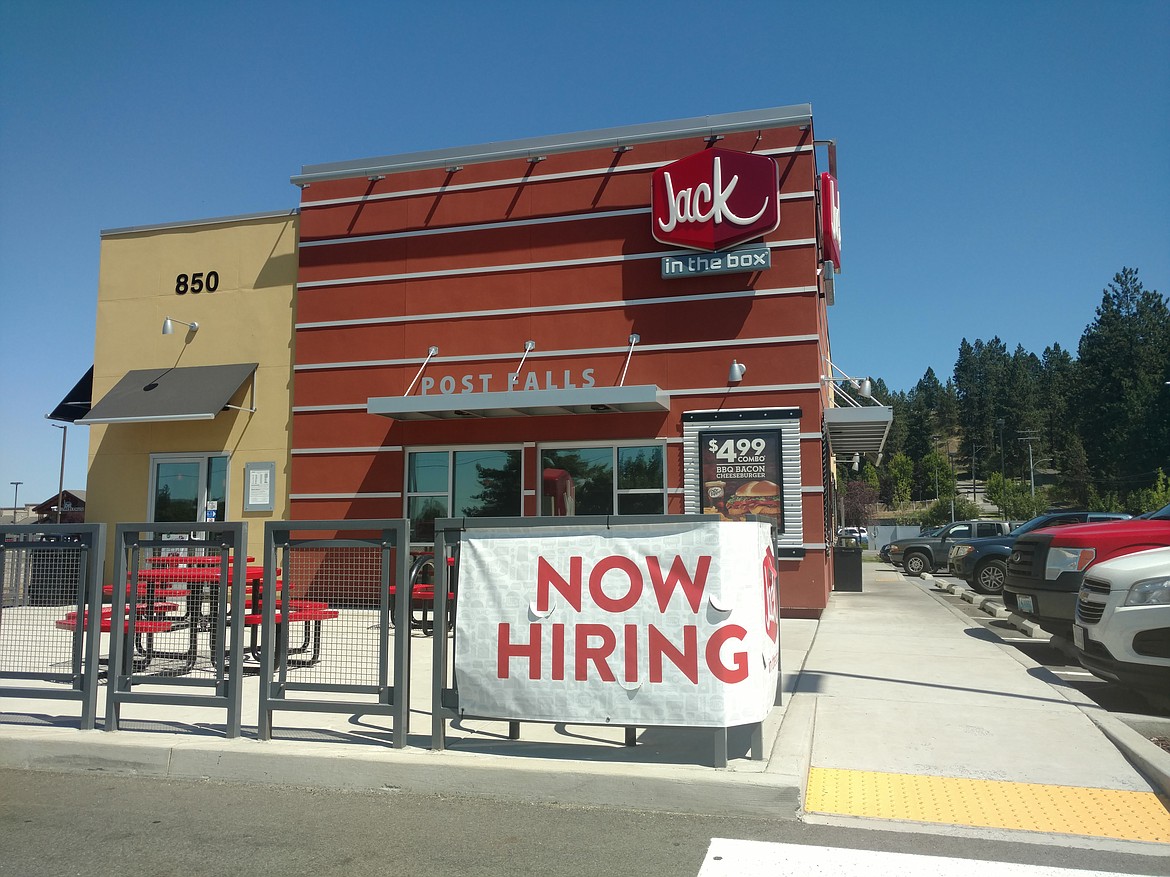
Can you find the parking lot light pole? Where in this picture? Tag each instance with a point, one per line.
(15, 494)
(64, 427)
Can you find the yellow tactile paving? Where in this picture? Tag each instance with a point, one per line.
(989, 804)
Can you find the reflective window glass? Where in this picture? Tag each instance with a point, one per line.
(586, 473)
(640, 468)
(427, 472)
(422, 511)
(487, 483)
(641, 504)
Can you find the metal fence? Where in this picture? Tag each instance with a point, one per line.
(328, 640)
(51, 618)
(177, 617)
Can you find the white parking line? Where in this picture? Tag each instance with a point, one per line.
(750, 858)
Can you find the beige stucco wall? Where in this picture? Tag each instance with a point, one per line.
(248, 319)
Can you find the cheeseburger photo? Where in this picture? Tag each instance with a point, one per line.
(754, 498)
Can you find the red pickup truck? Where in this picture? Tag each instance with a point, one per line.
(1046, 567)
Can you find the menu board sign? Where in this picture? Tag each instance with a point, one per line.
(741, 473)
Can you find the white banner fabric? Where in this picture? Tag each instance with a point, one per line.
(672, 624)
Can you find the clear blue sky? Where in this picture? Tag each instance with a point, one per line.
(998, 161)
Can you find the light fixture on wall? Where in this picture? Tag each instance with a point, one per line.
(736, 372)
(838, 380)
(634, 339)
(169, 326)
(856, 462)
(431, 352)
(529, 346)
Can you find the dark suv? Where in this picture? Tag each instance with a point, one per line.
(982, 563)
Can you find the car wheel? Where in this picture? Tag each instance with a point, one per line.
(916, 564)
(989, 577)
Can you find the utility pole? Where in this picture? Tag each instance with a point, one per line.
(1002, 467)
(934, 447)
(951, 462)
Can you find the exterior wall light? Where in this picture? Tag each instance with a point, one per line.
(169, 326)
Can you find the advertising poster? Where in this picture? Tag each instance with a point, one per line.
(671, 624)
(741, 474)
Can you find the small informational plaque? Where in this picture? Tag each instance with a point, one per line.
(258, 486)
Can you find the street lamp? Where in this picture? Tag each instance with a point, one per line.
(974, 450)
(1030, 437)
(64, 427)
(15, 494)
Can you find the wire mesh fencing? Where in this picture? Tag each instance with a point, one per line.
(326, 635)
(176, 622)
(51, 618)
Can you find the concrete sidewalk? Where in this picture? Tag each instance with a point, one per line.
(896, 710)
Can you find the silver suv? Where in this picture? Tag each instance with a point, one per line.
(1122, 628)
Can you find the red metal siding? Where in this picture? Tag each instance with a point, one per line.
(502, 267)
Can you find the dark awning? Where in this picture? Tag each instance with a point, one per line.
(522, 403)
(858, 430)
(193, 393)
(76, 403)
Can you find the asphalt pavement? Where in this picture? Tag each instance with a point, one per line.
(898, 712)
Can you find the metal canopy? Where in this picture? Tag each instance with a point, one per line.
(522, 403)
(192, 393)
(858, 430)
(76, 403)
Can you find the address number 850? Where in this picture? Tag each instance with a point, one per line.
(196, 283)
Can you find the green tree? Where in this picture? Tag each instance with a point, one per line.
(1124, 357)
(1151, 498)
(899, 479)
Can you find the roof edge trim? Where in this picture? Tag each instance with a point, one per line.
(626, 135)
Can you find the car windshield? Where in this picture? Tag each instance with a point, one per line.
(1161, 514)
(935, 531)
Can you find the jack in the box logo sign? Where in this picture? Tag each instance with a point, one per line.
(715, 199)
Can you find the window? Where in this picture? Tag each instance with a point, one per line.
(606, 480)
(465, 483)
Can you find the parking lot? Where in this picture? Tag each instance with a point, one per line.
(1052, 653)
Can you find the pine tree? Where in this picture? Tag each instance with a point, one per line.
(1124, 357)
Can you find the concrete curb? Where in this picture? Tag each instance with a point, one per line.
(663, 788)
(791, 754)
(1150, 758)
(1146, 756)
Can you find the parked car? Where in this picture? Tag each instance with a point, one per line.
(1122, 629)
(982, 563)
(927, 553)
(1046, 568)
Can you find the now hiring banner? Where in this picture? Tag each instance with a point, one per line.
(663, 624)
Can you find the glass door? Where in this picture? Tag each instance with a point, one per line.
(188, 489)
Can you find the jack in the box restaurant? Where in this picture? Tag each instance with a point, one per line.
(629, 321)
